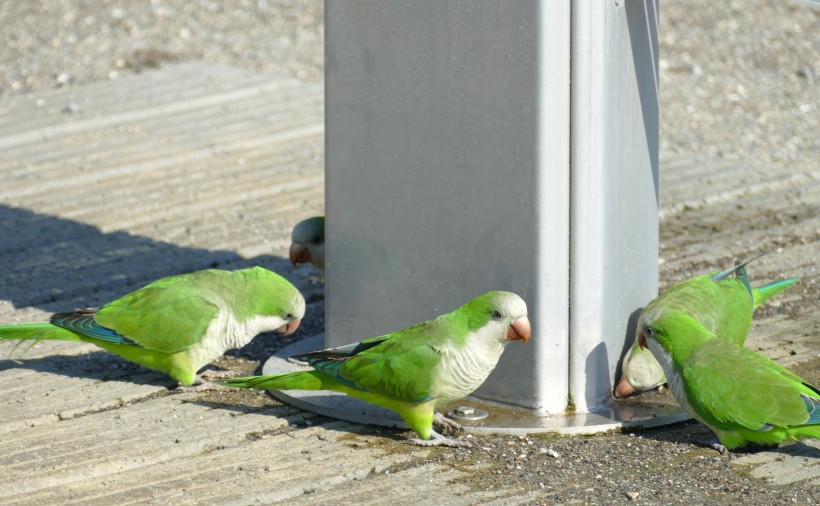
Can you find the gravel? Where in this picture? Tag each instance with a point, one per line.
(738, 79)
(54, 43)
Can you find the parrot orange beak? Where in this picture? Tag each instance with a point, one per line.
(290, 327)
(298, 254)
(623, 389)
(519, 330)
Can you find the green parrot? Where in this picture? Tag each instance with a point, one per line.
(308, 243)
(721, 303)
(415, 370)
(179, 324)
(740, 394)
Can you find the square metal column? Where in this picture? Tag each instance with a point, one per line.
(463, 154)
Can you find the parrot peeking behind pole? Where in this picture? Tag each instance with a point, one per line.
(741, 395)
(721, 303)
(179, 324)
(415, 370)
(308, 243)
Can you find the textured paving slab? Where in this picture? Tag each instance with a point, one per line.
(107, 186)
(785, 465)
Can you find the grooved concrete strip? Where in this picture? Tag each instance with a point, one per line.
(183, 159)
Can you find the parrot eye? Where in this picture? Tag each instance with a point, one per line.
(649, 331)
(497, 315)
(289, 316)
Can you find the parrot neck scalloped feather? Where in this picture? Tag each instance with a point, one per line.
(464, 368)
(227, 333)
(673, 377)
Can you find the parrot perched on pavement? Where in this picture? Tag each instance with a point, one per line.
(740, 394)
(179, 324)
(722, 304)
(308, 243)
(415, 370)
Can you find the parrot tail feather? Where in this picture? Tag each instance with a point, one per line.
(766, 292)
(737, 269)
(34, 333)
(806, 431)
(306, 380)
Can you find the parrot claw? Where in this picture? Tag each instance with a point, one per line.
(214, 375)
(719, 448)
(202, 383)
(202, 386)
(447, 425)
(437, 439)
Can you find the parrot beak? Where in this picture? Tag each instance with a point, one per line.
(642, 340)
(290, 327)
(298, 254)
(519, 330)
(623, 389)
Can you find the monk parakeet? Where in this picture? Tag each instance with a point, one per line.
(741, 395)
(308, 243)
(179, 324)
(415, 370)
(721, 303)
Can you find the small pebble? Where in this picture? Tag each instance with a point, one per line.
(550, 452)
(71, 108)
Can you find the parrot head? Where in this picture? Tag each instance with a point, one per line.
(652, 325)
(671, 333)
(653, 335)
(503, 313)
(308, 242)
(640, 371)
(292, 311)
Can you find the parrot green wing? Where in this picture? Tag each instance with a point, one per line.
(398, 368)
(730, 386)
(168, 315)
(398, 365)
(723, 307)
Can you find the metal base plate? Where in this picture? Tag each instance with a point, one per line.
(650, 409)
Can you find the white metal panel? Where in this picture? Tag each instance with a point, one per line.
(614, 210)
(441, 183)
(550, 303)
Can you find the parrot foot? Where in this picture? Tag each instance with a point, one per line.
(437, 439)
(201, 383)
(214, 375)
(447, 425)
(202, 386)
(718, 447)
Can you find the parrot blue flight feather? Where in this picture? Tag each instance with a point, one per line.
(83, 323)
